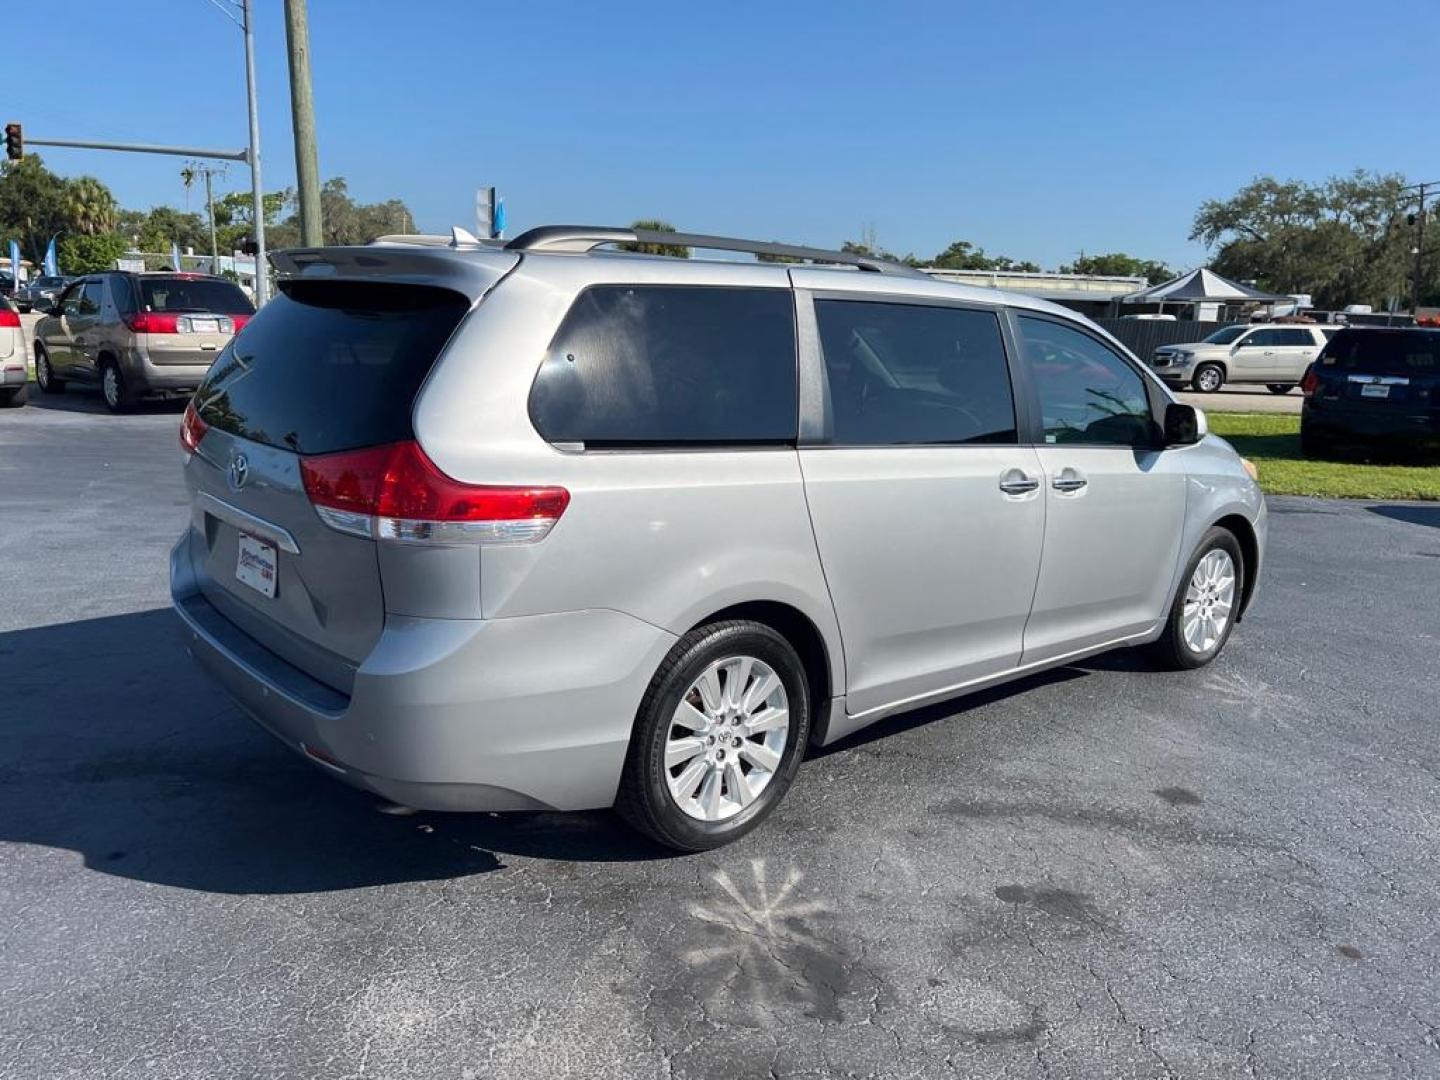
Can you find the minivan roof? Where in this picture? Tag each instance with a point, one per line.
(474, 268)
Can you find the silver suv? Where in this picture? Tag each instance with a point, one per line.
(549, 527)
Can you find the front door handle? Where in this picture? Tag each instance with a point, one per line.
(1016, 482)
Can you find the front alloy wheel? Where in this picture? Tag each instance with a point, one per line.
(1209, 378)
(1205, 607)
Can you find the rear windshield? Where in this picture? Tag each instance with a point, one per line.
(330, 365)
(193, 294)
(1384, 351)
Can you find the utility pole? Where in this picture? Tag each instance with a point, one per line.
(262, 292)
(302, 110)
(1422, 192)
(207, 171)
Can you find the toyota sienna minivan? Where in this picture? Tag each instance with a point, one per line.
(545, 526)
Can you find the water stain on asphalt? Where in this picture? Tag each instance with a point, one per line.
(1062, 903)
(1021, 1033)
(1178, 796)
(1351, 951)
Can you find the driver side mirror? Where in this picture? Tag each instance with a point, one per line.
(44, 305)
(1185, 425)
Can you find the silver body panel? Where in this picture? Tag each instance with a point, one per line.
(508, 676)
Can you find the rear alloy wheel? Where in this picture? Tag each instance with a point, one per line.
(112, 386)
(1208, 378)
(718, 738)
(1279, 388)
(1204, 612)
(45, 375)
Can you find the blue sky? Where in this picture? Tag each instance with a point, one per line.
(1033, 130)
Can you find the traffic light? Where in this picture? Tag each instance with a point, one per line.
(14, 142)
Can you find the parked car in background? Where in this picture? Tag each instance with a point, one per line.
(12, 356)
(1376, 386)
(1273, 354)
(482, 528)
(41, 290)
(7, 284)
(137, 335)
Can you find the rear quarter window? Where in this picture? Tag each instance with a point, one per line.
(643, 365)
(330, 365)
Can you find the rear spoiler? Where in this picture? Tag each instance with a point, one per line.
(471, 271)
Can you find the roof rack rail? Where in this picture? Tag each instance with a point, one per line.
(582, 238)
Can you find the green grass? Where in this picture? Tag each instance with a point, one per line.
(1272, 442)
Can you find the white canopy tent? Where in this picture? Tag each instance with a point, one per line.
(1202, 286)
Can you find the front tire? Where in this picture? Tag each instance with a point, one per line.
(718, 738)
(1208, 378)
(45, 375)
(1206, 604)
(1279, 388)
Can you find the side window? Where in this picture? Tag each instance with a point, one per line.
(69, 302)
(91, 298)
(650, 365)
(1088, 393)
(1265, 338)
(908, 374)
(121, 293)
(1295, 336)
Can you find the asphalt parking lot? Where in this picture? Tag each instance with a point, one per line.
(1105, 871)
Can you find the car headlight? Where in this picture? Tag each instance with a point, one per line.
(1183, 357)
(1251, 469)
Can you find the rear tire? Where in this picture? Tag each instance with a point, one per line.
(700, 707)
(45, 374)
(113, 388)
(13, 399)
(1194, 633)
(1279, 388)
(1208, 378)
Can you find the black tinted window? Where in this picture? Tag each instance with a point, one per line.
(1294, 336)
(903, 374)
(657, 365)
(193, 294)
(1259, 338)
(1088, 393)
(91, 298)
(330, 365)
(1384, 351)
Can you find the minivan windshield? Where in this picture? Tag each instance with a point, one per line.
(1380, 351)
(330, 365)
(183, 294)
(1225, 335)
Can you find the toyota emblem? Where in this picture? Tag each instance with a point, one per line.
(239, 472)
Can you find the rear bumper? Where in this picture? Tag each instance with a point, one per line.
(166, 380)
(1400, 424)
(12, 372)
(450, 714)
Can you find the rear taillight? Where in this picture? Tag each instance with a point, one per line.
(395, 492)
(8, 319)
(152, 322)
(192, 430)
(1309, 381)
(239, 321)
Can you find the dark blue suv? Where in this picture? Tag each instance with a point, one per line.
(1373, 385)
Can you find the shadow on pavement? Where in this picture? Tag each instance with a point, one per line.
(1409, 513)
(117, 748)
(88, 402)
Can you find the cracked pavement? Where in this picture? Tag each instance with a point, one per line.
(1105, 871)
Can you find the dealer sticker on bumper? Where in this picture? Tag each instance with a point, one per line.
(256, 565)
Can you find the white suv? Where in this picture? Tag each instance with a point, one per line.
(1273, 354)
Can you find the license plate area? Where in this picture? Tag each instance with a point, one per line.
(1374, 390)
(257, 564)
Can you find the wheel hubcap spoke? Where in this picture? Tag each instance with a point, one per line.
(1209, 599)
(727, 738)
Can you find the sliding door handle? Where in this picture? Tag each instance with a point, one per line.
(1017, 483)
(1069, 480)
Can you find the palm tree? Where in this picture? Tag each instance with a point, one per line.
(88, 206)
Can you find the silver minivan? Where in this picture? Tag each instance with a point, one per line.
(553, 527)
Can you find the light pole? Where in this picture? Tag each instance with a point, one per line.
(262, 292)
